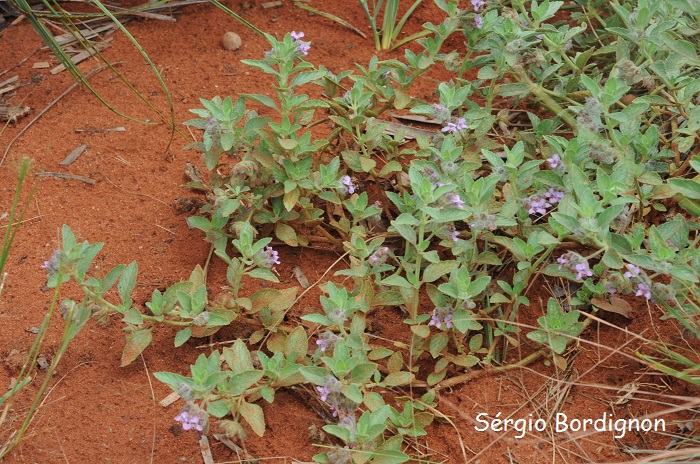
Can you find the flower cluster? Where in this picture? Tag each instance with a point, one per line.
(540, 202)
(451, 200)
(337, 316)
(53, 265)
(553, 195)
(302, 47)
(268, 258)
(638, 277)
(378, 257)
(346, 185)
(601, 152)
(327, 340)
(189, 421)
(440, 112)
(482, 222)
(455, 127)
(330, 392)
(202, 319)
(575, 263)
(442, 315)
(537, 204)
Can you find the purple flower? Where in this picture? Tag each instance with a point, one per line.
(477, 4)
(633, 271)
(189, 421)
(454, 235)
(562, 260)
(327, 340)
(478, 21)
(324, 392)
(582, 270)
(457, 127)
(554, 196)
(53, 265)
(611, 289)
(453, 200)
(442, 315)
(302, 47)
(537, 204)
(643, 290)
(347, 185)
(554, 161)
(268, 258)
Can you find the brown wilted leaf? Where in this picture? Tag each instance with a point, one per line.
(615, 305)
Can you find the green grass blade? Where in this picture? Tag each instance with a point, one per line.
(238, 18)
(391, 11)
(372, 23)
(12, 226)
(397, 29)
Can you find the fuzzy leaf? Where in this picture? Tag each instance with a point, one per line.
(136, 342)
(253, 415)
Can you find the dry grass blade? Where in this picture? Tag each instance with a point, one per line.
(338, 20)
(48, 107)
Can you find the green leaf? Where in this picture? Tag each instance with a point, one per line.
(437, 343)
(253, 415)
(396, 280)
(291, 198)
(264, 274)
(287, 234)
(262, 99)
(388, 298)
(379, 353)
(423, 331)
(136, 342)
(173, 380)
(317, 319)
(127, 282)
(133, 316)
(434, 271)
(239, 383)
(688, 187)
(352, 392)
(297, 342)
(463, 320)
(182, 336)
(218, 408)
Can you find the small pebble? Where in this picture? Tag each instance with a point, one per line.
(231, 41)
